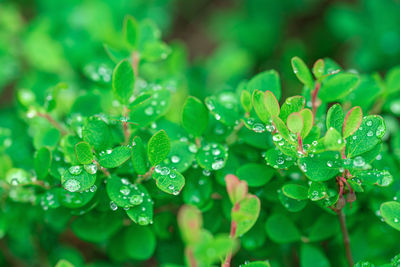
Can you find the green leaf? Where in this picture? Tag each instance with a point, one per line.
(335, 118)
(267, 80)
(283, 130)
(352, 121)
(245, 100)
(312, 256)
(390, 212)
(392, 80)
(83, 152)
(246, 215)
(295, 123)
(96, 226)
(260, 106)
(366, 264)
(257, 264)
(180, 156)
(368, 135)
(325, 226)
(255, 174)
(77, 179)
(319, 68)
(333, 140)
(322, 166)
(292, 205)
(123, 81)
(158, 147)
(64, 263)
(123, 193)
(291, 105)
(308, 122)
(374, 177)
(155, 51)
(194, 116)
(317, 191)
(198, 189)
(142, 214)
(302, 72)
(147, 110)
(281, 229)
(42, 162)
(139, 242)
(75, 200)
(115, 157)
(271, 103)
(289, 149)
(276, 159)
(212, 156)
(190, 222)
(222, 112)
(295, 191)
(131, 31)
(337, 86)
(168, 180)
(139, 158)
(237, 190)
(97, 133)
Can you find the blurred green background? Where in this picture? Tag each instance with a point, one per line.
(215, 44)
(219, 41)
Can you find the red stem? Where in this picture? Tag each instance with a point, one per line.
(232, 234)
(300, 141)
(314, 98)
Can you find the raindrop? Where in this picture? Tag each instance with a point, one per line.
(370, 133)
(369, 123)
(218, 164)
(193, 148)
(165, 171)
(258, 128)
(93, 188)
(113, 206)
(90, 168)
(72, 185)
(125, 190)
(149, 111)
(206, 172)
(277, 138)
(358, 161)
(143, 220)
(175, 159)
(216, 152)
(136, 199)
(75, 170)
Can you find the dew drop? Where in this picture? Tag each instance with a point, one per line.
(136, 199)
(91, 168)
(113, 206)
(75, 170)
(149, 111)
(125, 190)
(175, 159)
(72, 185)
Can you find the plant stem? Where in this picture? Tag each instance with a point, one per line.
(53, 122)
(346, 239)
(314, 98)
(233, 136)
(232, 234)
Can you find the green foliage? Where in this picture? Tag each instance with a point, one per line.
(148, 157)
